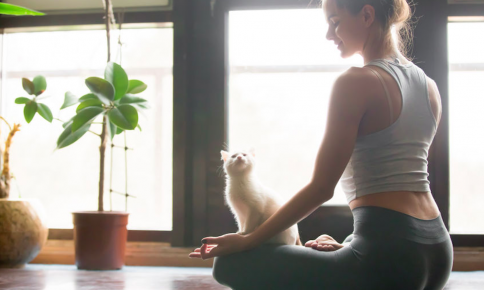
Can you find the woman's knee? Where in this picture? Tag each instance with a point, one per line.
(348, 239)
(221, 269)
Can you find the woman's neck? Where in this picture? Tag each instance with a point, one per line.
(388, 54)
(377, 47)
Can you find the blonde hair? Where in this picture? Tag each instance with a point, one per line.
(390, 14)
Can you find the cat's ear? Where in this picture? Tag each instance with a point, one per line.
(252, 151)
(225, 155)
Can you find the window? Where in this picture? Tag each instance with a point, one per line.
(466, 141)
(66, 180)
(282, 69)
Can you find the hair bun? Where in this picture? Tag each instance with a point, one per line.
(402, 13)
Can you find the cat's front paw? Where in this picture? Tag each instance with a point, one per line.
(242, 233)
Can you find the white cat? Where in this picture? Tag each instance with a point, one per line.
(251, 202)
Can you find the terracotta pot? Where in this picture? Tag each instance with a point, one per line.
(100, 239)
(23, 231)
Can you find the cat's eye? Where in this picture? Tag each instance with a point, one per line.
(233, 156)
(244, 154)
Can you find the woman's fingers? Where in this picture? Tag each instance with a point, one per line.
(326, 246)
(223, 245)
(196, 253)
(209, 252)
(309, 243)
(208, 246)
(211, 240)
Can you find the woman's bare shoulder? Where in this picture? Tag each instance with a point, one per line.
(356, 80)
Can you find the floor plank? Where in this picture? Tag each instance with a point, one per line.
(67, 277)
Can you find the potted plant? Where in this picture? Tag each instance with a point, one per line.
(23, 230)
(100, 236)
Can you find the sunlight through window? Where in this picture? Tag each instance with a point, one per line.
(282, 69)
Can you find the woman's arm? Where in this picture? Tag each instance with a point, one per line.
(348, 104)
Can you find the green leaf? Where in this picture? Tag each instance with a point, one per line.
(116, 75)
(68, 137)
(42, 97)
(30, 110)
(111, 129)
(45, 112)
(85, 116)
(40, 85)
(68, 122)
(139, 127)
(17, 10)
(124, 116)
(69, 100)
(89, 103)
(103, 89)
(22, 100)
(136, 87)
(134, 100)
(119, 130)
(89, 96)
(28, 86)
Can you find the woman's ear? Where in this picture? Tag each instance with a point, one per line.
(368, 14)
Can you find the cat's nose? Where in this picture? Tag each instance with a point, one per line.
(239, 157)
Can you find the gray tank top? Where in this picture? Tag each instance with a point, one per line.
(395, 158)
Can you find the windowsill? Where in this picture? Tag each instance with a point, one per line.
(162, 254)
(468, 259)
(137, 254)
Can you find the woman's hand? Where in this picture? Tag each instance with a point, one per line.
(324, 243)
(220, 246)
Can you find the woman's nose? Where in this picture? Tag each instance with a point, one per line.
(329, 35)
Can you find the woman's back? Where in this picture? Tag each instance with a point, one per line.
(379, 125)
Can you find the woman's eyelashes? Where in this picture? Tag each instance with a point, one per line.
(334, 22)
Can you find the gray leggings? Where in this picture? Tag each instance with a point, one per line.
(387, 250)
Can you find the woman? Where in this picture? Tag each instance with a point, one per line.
(382, 119)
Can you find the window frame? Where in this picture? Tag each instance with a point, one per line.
(458, 240)
(89, 19)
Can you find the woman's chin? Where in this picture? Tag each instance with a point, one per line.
(345, 54)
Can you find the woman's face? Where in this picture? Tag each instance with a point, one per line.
(347, 31)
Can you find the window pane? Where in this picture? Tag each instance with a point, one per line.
(281, 72)
(466, 140)
(66, 180)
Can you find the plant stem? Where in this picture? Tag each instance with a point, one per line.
(10, 127)
(102, 149)
(95, 133)
(102, 152)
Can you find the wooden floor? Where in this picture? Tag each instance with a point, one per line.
(67, 277)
